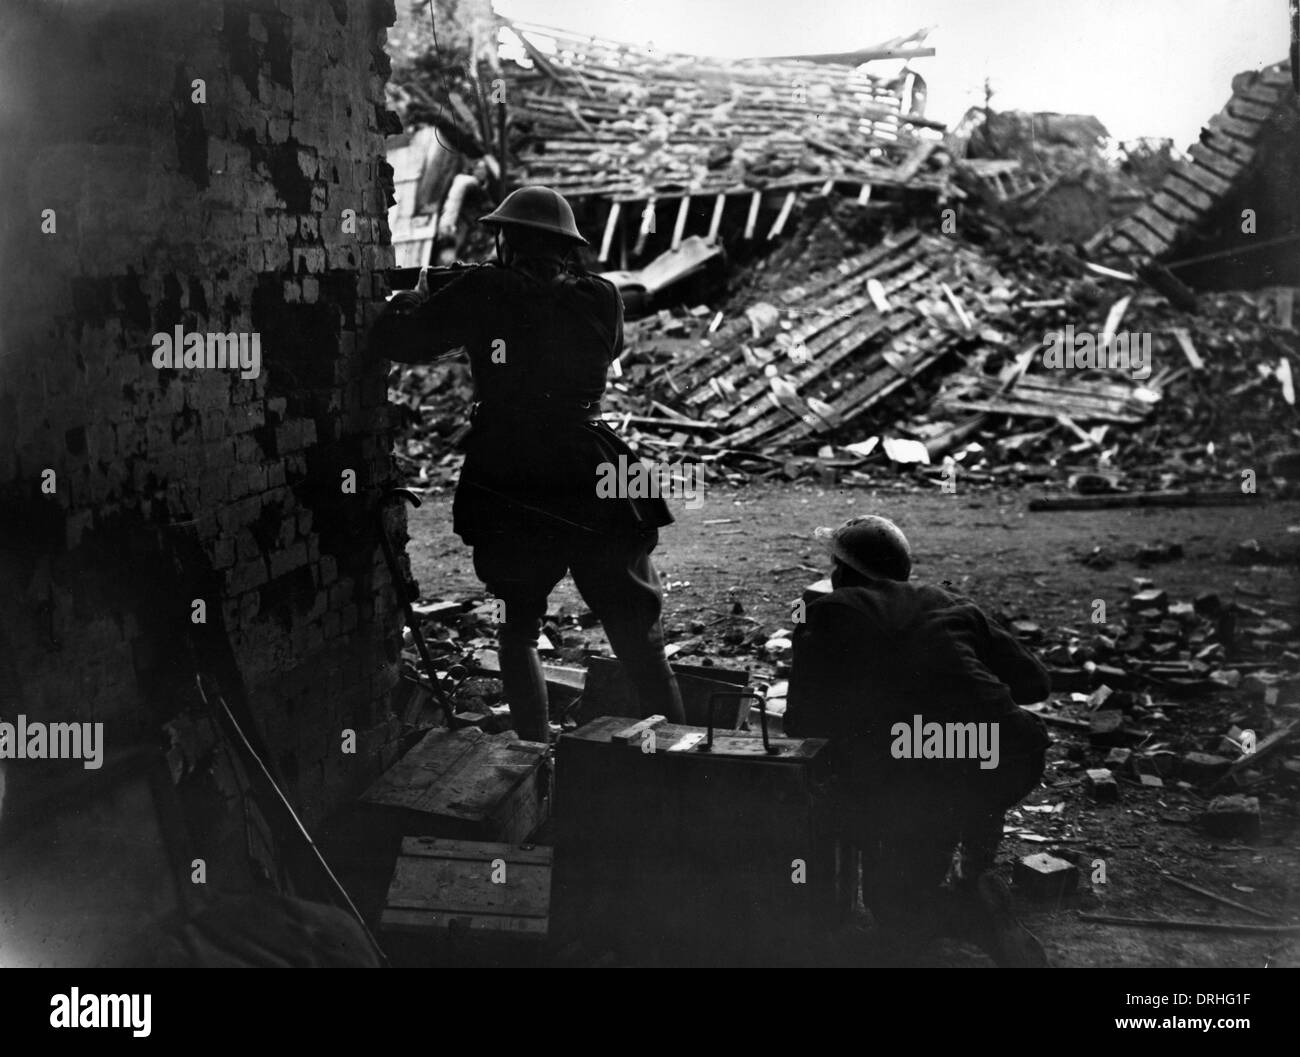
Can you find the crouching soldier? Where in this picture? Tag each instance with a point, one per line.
(541, 334)
(918, 692)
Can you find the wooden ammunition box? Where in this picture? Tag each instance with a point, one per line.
(466, 785)
(459, 902)
(673, 855)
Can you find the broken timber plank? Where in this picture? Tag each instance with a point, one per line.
(831, 345)
(782, 216)
(1115, 317)
(647, 226)
(1184, 340)
(1195, 926)
(1265, 747)
(912, 163)
(752, 219)
(1188, 886)
(715, 223)
(1175, 498)
(610, 225)
(683, 207)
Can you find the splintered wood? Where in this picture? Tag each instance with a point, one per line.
(599, 117)
(860, 331)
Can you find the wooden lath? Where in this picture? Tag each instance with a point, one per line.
(604, 118)
(855, 349)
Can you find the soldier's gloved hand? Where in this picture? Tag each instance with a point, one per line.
(405, 301)
(408, 300)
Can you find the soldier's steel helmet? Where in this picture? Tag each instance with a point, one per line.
(537, 207)
(872, 545)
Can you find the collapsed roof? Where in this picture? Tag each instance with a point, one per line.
(598, 117)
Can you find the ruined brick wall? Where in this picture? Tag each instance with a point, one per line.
(1269, 189)
(138, 200)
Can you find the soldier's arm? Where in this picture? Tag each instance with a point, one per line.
(1006, 658)
(415, 329)
(826, 652)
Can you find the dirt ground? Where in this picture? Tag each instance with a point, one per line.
(753, 546)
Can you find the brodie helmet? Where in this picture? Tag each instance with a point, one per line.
(540, 208)
(871, 545)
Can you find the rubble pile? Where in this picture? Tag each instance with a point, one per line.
(938, 347)
(602, 117)
(1045, 175)
(864, 339)
(1219, 396)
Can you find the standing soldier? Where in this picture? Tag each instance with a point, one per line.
(541, 334)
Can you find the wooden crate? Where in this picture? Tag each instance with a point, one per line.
(465, 785)
(682, 857)
(459, 902)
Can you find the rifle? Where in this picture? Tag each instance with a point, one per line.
(435, 277)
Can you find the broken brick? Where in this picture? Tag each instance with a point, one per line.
(1261, 686)
(1162, 762)
(1027, 630)
(1151, 781)
(1044, 876)
(1230, 743)
(1118, 759)
(1232, 816)
(1101, 783)
(1069, 680)
(1153, 598)
(1106, 727)
(1110, 676)
(1208, 604)
(1151, 553)
(1249, 552)
(1201, 767)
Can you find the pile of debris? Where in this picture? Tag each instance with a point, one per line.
(863, 341)
(650, 147)
(1043, 174)
(1215, 397)
(922, 349)
(601, 117)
